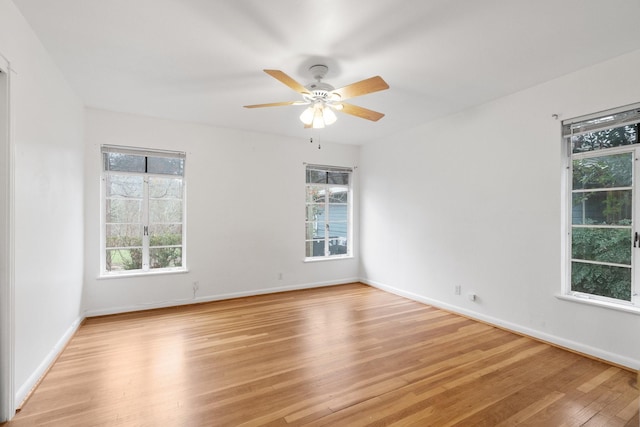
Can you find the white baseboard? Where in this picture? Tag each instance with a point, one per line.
(25, 389)
(599, 353)
(216, 297)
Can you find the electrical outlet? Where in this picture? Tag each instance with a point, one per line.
(458, 290)
(196, 286)
(279, 276)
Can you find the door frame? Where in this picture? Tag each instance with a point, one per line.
(7, 306)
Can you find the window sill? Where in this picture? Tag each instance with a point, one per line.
(141, 274)
(321, 259)
(599, 303)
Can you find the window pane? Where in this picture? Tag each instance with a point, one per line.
(124, 259)
(314, 230)
(125, 186)
(123, 235)
(603, 172)
(315, 248)
(165, 188)
(165, 234)
(338, 237)
(608, 138)
(603, 280)
(165, 165)
(601, 244)
(602, 207)
(316, 177)
(123, 162)
(315, 194)
(165, 211)
(338, 213)
(337, 246)
(123, 211)
(165, 257)
(338, 178)
(338, 229)
(338, 195)
(315, 213)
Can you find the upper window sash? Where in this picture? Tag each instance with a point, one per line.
(133, 160)
(620, 117)
(328, 175)
(605, 130)
(142, 152)
(603, 139)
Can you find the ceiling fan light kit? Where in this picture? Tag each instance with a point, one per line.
(318, 116)
(307, 116)
(322, 99)
(318, 119)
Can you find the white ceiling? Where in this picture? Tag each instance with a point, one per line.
(201, 60)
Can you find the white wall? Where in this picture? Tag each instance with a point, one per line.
(47, 119)
(245, 213)
(474, 200)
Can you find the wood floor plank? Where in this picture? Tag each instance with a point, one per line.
(531, 410)
(347, 355)
(598, 379)
(628, 412)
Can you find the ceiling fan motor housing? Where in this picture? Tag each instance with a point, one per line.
(318, 71)
(319, 90)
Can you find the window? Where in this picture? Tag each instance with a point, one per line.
(328, 212)
(603, 238)
(143, 210)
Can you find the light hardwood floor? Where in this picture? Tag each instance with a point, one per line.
(347, 355)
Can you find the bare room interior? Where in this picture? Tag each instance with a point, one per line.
(319, 213)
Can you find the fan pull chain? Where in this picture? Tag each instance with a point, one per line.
(311, 141)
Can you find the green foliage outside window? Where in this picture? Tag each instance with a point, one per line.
(602, 280)
(602, 244)
(127, 254)
(163, 257)
(608, 138)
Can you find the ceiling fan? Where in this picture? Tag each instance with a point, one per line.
(322, 98)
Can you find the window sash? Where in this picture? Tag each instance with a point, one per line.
(142, 152)
(580, 126)
(329, 168)
(619, 117)
(336, 214)
(167, 249)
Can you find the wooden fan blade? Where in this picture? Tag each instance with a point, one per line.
(276, 104)
(361, 112)
(363, 87)
(284, 78)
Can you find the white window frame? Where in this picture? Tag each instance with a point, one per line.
(327, 218)
(145, 270)
(575, 126)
